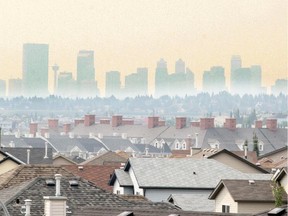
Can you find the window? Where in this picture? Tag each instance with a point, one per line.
(137, 193)
(225, 208)
(184, 146)
(177, 146)
(118, 192)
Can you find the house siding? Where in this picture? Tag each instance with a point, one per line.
(248, 207)
(7, 165)
(159, 195)
(116, 187)
(224, 198)
(284, 183)
(62, 161)
(236, 164)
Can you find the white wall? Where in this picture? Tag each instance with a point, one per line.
(252, 208)
(116, 187)
(284, 183)
(137, 190)
(224, 198)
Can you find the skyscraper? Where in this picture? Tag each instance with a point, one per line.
(161, 79)
(142, 81)
(113, 84)
(2, 88)
(66, 85)
(236, 64)
(87, 85)
(256, 77)
(214, 80)
(15, 87)
(35, 69)
(180, 66)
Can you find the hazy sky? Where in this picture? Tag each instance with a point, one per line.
(126, 34)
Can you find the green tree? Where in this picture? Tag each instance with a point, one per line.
(255, 144)
(278, 192)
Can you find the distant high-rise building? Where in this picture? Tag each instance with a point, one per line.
(242, 82)
(136, 84)
(190, 87)
(113, 84)
(161, 79)
(15, 87)
(256, 77)
(35, 70)
(142, 81)
(214, 80)
(66, 85)
(2, 88)
(87, 85)
(280, 86)
(180, 66)
(236, 64)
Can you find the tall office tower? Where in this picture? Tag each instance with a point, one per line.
(256, 76)
(214, 80)
(161, 79)
(113, 84)
(236, 64)
(190, 86)
(15, 87)
(242, 82)
(280, 86)
(142, 74)
(2, 88)
(35, 70)
(66, 85)
(131, 85)
(87, 85)
(180, 66)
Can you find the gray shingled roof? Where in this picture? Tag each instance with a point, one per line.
(85, 194)
(272, 139)
(123, 178)
(114, 144)
(152, 149)
(36, 155)
(193, 202)
(184, 172)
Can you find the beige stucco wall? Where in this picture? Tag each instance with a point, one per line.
(248, 207)
(224, 198)
(236, 164)
(62, 161)
(7, 165)
(277, 156)
(1, 156)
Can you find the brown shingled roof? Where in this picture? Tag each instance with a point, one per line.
(26, 172)
(97, 174)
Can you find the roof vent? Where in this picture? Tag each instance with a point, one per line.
(73, 183)
(126, 213)
(251, 182)
(194, 173)
(50, 182)
(80, 167)
(258, 164)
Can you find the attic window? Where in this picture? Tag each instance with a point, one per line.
(50, 182)
(73, 183)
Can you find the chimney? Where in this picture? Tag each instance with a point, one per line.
(124, 135)
(53, 124)
(127, 122)
(188, 142)
(104, 121)
(196, 140)
(195, 124)
(55, 205)
(28, 156)
(271, 124)
(153, 121)
(191, 151)
(33, 128)
(26, 207)
(258, 124)
(46, 150)
(78, 121)
(116, 120)
(58, 179)
(66, 128)
(43, 131)
(245, 151)
(161, 123)
(89, 120)
(180, 122)
(230, 123)
(206, 123)
(146, 151)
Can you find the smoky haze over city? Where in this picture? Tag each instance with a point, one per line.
(137, 108)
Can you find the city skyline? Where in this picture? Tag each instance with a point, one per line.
(127, 35)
